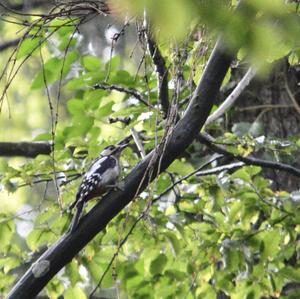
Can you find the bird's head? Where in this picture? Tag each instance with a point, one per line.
(114, 150)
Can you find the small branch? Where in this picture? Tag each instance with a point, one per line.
(24, 149)
(266, 106)
(291, 96)
(130, 91)
(233, 96)
(124, 120)
(209, 141)
(219, 169)
(162, 73)
(116, 254)
(212, 159)
(9, 44)
(138, 142)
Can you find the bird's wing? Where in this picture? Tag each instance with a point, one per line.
(100, 166)
(101, 172)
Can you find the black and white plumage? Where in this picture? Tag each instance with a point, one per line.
(102, 175)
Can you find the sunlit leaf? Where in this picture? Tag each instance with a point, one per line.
(28, 46)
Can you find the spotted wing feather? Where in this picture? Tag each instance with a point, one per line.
(102, 172)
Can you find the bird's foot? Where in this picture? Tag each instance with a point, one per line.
(118, 186)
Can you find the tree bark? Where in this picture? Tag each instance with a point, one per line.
(24, 149)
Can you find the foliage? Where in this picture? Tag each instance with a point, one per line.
(230, 233)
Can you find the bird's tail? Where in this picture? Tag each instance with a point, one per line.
(76, 217)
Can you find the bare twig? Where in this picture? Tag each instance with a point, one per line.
(266, 106)
(219, 169)
(161, 71)
(212, 159)
(138, 142)
(130, 91)
(209, 141)
(232, 97)
(116, 254)
(291, 96)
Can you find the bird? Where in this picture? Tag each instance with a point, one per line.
(101, 176)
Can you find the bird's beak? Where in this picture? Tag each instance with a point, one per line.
(123, 146)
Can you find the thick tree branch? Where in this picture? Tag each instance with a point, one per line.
(209, 141)
(24, 149)
(185, 131)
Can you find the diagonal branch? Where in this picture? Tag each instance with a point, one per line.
(209, 141)
(161, 71)
(185, 131)
(230, 100)
(218, 169)
(130, 91)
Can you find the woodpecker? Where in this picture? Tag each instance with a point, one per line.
(101, 176)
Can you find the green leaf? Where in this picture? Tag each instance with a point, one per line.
(291, 273)
(54, 288)
(122, 77)
(271, 241)
(75, 292)
(93, 98)
(9, 263)
(3, 166)
(47, 214)
(105, 110)
(97, 266)
(66, 25)
(91, 63)
(75, 106)
(73, 273)
(38, 238)
(187, 206)
(65, 42)
(41, 78)
(81, 126)
(54, 69)
(76, 84)
(7, 230)
(174, 242)
(181, 167)
(241, 174)
(253, 170)
(157, 265)
(28, 46)
(43, 137)
(113, 63)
